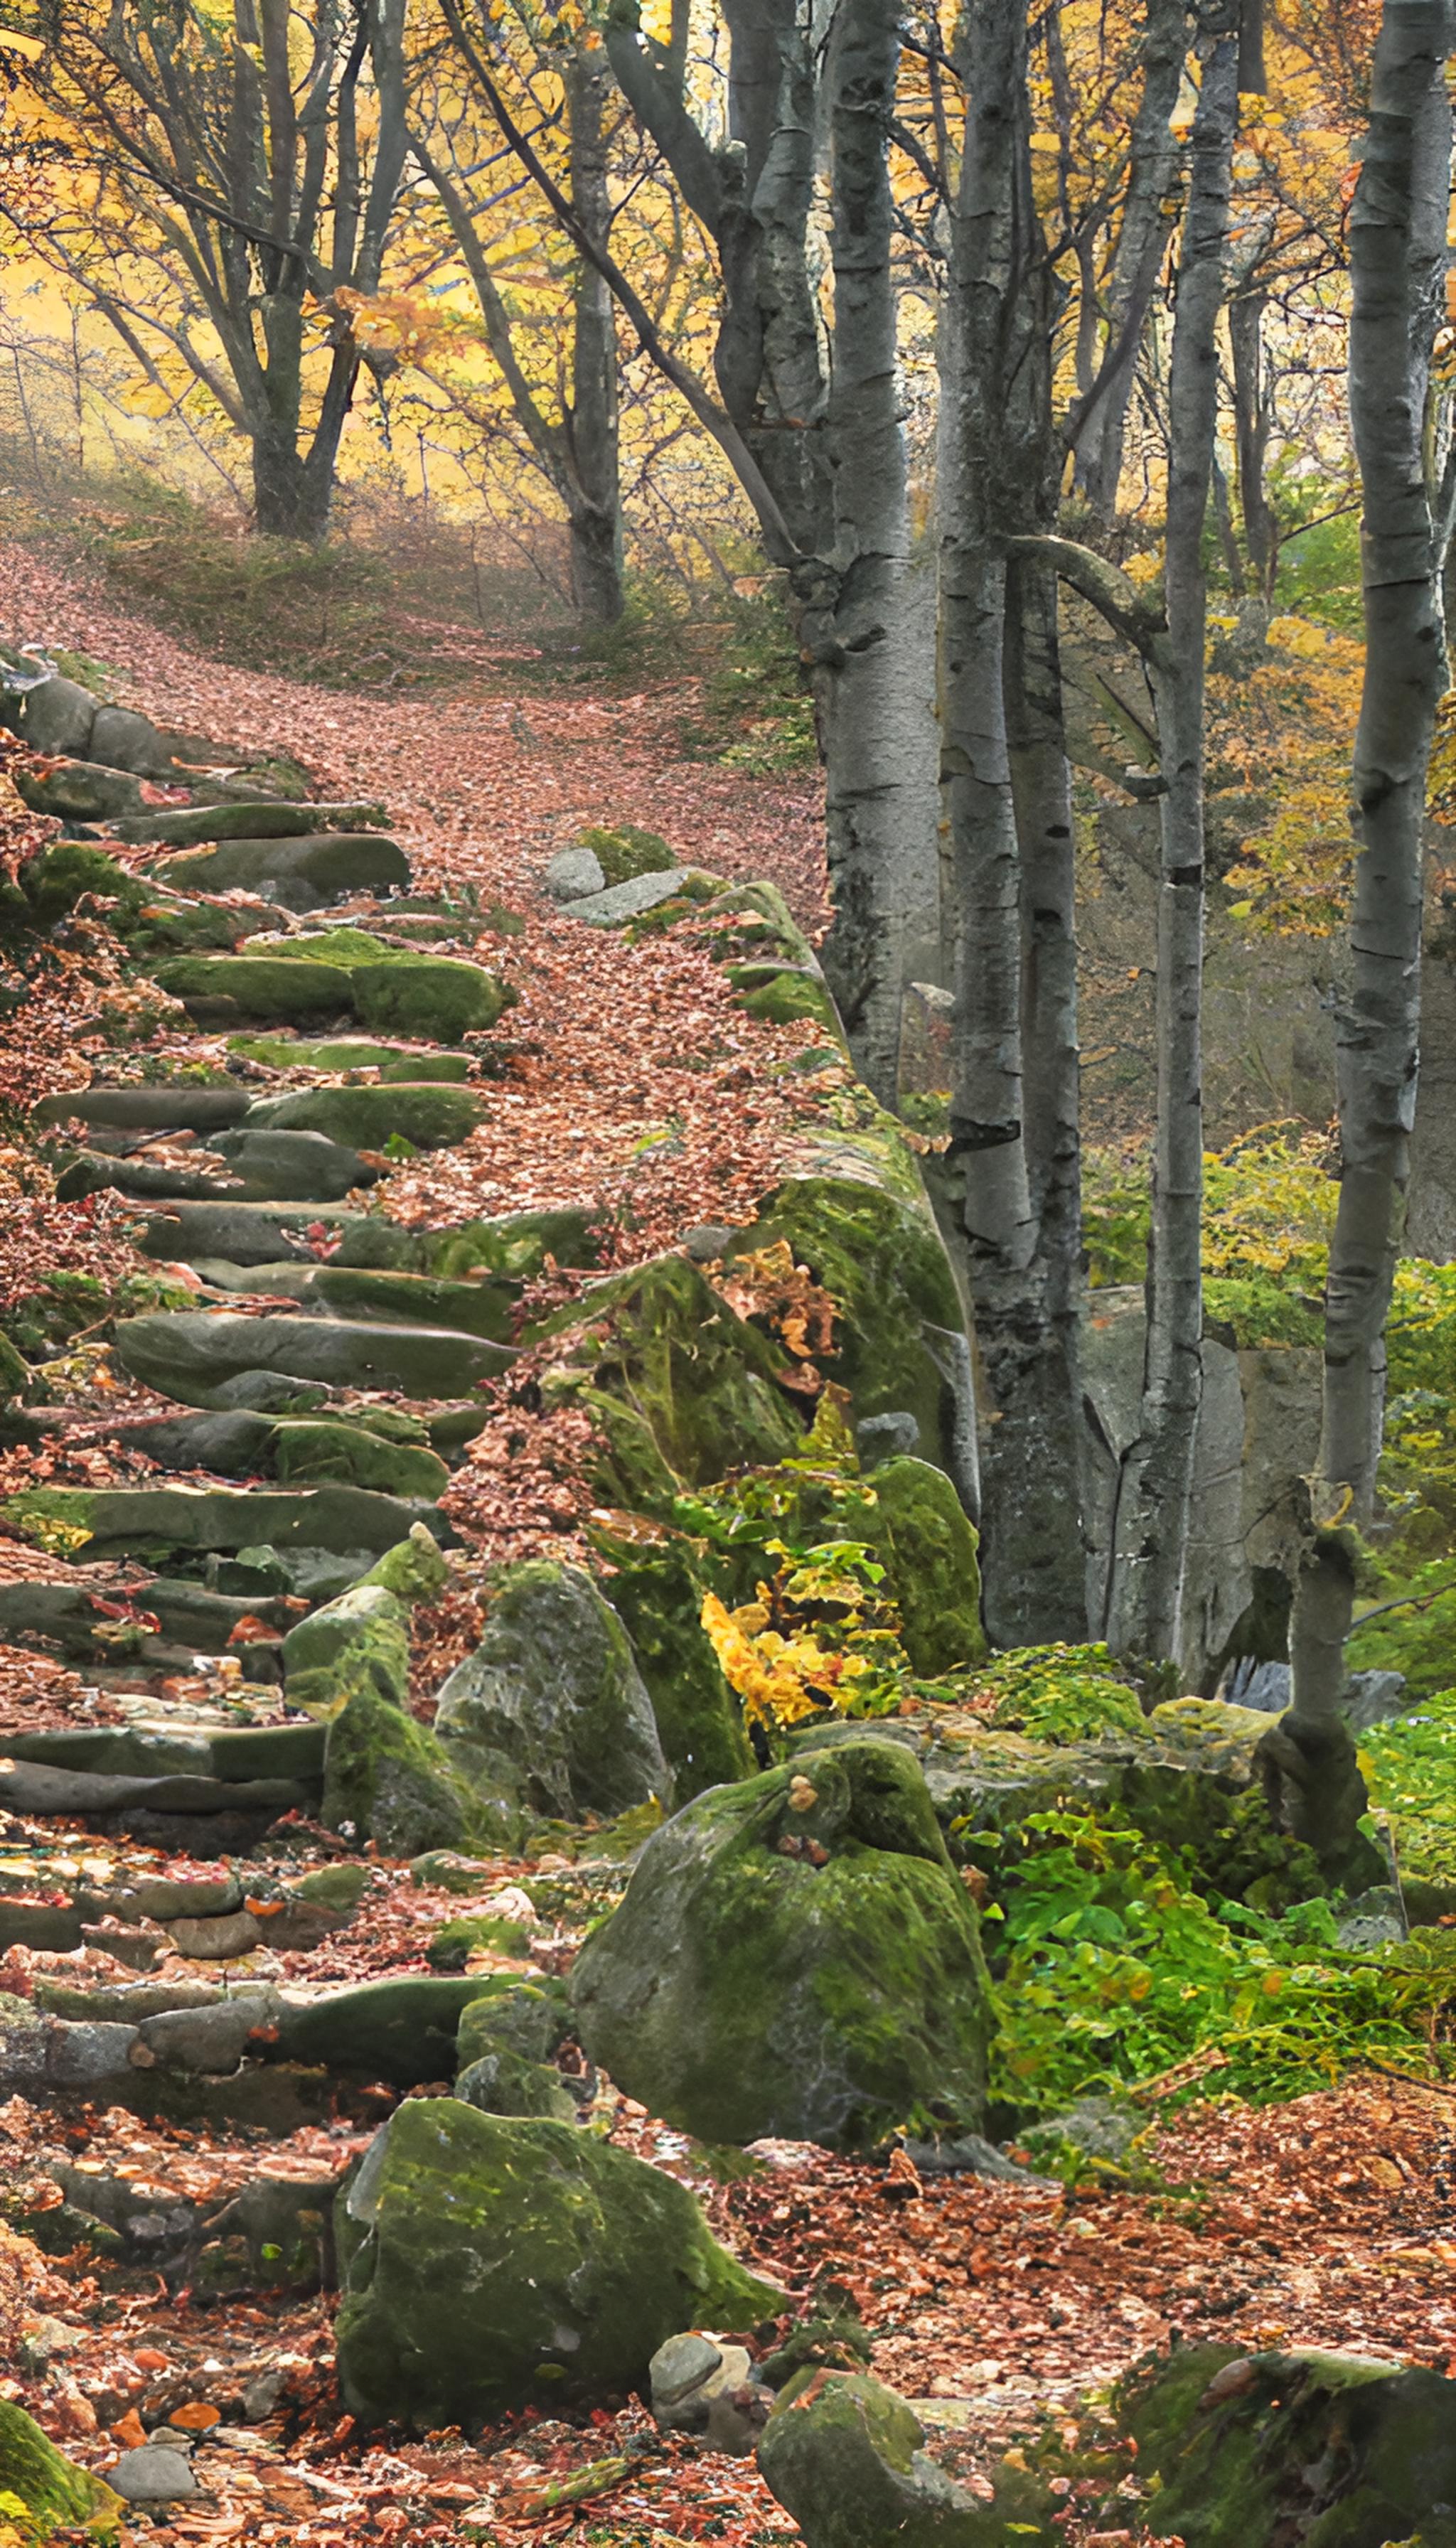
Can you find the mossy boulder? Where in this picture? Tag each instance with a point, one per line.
(1337, 2450)
(15, 1371)
(430, 1116)
(414, 1570)
(350, 1053)
(656, 1588)
(929, 1550)
(685, 1370)
(47, 2488)
(531, 2019)
(779, 997)
(844, 2457)
(482, 1308)
(553, 1691)
(472, 1933)
(285, 987)
(193, 1355)
(391, 990)
(624, 849)
(875, 1249)
(488, 2264)
(363, 1636)
(55, 882)
(795, 1956)
(391, 1779)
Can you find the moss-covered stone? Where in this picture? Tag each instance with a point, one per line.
(877, 1251)
(349, 1053)
(453, 1944)
(55, 882)
(49, 2490)
(402, 2031)
(414, 1570)
(844, 2456)
(531, 2019)
(305, 1452)
(501, 2082)
(742, 1989)
(656, 1588)
(553, 1691)
(676, 1358)
(482, 1308)
(15, 1371)
(513, 1249)
(488, 2264)
(390, 1779)
(929, 1550)
(340, 1887)
(391, 990)
(365, 1631)
(286, 987)
(624, 849)
(781, 997)
(432, 1117)
(1337, 2450)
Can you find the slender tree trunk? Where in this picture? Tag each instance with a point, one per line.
(1398, 245)
(1151, 1525)
(880, 809)
(1142, 240)
(1252, 420)
(596, 505)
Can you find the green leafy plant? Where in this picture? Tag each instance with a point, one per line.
(1060, 1694)
(1410, 1767)
(1115, 1973)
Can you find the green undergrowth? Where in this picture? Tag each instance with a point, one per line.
(1410, 1767)
(1114, 1974)
(1270, 1205)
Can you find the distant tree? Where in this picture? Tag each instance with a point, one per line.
(222, 187)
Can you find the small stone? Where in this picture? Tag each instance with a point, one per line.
(207, 2041)
(237, 1934)
(262, 2394)
(707, 1241)
(626, 901)
(153, 2475)
(572, 872)
(894, 1435)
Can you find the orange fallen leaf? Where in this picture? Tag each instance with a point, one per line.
(130, 2432)
(197, 2417)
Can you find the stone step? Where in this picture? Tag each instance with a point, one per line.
(298, 1450)
(265, 819)
(181, 1107)
(256, 1234)
(429, 1116)
(233, 1758)
(261, 1165)
(301, 873)
(333, 1054)
(34, 1788)
(191, 1355)
(189, 1618)
(338, 1519)
(393, 989)
(482, 1308)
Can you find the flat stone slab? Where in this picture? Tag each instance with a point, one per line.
(190, 1354)
(625, 901)
(301, 873)
(181, 1107)
(220, 1518)
(268, 818)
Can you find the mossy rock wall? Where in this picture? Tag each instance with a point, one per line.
(743, 1989)
(489, 2264)
(657, 1590)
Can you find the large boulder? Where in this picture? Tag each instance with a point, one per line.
(553, 1693)
(431, 1115)
(846, 2459)
(490, 2263)
(390, 1779)
(49, 2488)
(929, 1549)
(795, 1956)
(1335, 2450)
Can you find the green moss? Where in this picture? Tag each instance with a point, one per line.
(533, 2019)
(753, 923)
(929, 1550)
(883, 1262)
(15, 1371)
(363, 1637)
(701, 1381)
(429, 995)
(780, 998)
(502, 2083)
(414, 1570)
(340, 1887)
(390, 989)
(304, 1454)
(402, 2031)
(55, 882)
(624, 849)
(1235, 2462)
(657, 1589)
(459, 1938)
(488, 2264)
(50, 2492)
(390, 1779)
(480, 1309)
(739, 1991)
(842, 2455)
(367, 1116)
(261, 986)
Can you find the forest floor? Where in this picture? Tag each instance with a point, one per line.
(1329, 2222)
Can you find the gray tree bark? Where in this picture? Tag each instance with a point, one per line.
(859, 620)
(1398, 260)
(1154, 158)
(1151, 1526)
(1010, 1177)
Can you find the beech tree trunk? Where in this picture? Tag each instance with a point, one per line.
(1397, 259)
(595, 508)
(1151, 1523)
(859, 617)
(1013, 1144)
(1142, 240)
